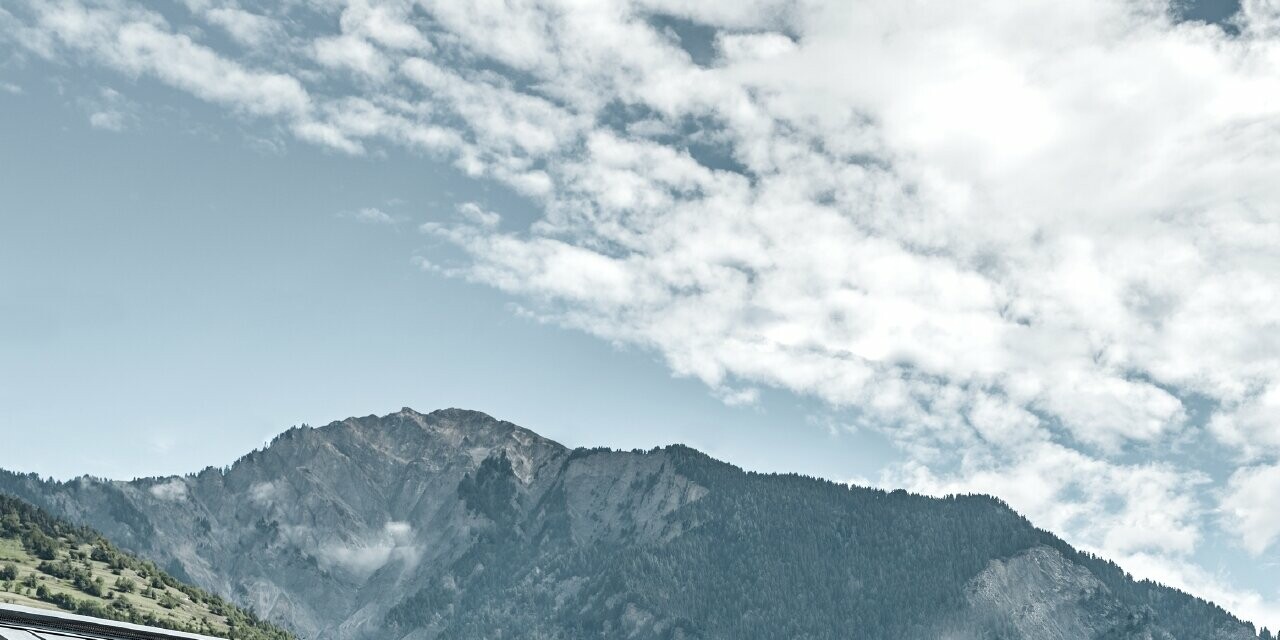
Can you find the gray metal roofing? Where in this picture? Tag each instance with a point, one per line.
(22, 634)
(25, 623)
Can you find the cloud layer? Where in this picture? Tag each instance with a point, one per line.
(1031, 242)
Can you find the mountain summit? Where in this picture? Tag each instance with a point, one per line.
(453, 524)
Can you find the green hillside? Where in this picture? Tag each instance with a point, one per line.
(47, 563)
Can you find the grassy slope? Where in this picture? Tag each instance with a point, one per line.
(59, 566)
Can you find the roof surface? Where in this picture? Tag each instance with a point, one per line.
(25, 623)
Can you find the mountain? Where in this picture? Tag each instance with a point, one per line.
(455, 525)
(47, 563)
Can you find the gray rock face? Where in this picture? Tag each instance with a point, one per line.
(1040, 594)
(456, 525)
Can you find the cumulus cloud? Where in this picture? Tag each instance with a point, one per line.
(1019, 239)
(1253, 424)
(1155, 510)
(1252, 502)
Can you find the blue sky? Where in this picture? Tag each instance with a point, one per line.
(1020, 248)
(175, 294)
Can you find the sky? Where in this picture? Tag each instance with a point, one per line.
(1019, 248)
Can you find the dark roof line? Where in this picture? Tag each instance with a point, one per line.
(38, 620)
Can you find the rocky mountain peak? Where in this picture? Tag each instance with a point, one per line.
(462, 427)
(439, 439)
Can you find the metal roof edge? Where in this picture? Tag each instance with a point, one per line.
(59, 621)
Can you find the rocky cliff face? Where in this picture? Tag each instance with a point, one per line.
(455, 525)
(1040, 594)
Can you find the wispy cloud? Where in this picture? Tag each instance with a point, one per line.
(109, 120)
(374, 215)
(173, 490)
(111, 111)
(479, 216)
(247, 28)
(364, 556)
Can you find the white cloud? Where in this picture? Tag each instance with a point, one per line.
(264, 493)
(374, 215)
(1250, 604)
(1253, 424)
(400, 531)
(746, 47)
(365, 556)
(352, 53)
(174, 490)
(247, 28)
(475, 214)
(111, 111)
(1118, 509)
(140, 42)
(386, 23)
(738, 397)
(109, 120)
(1252, 502)
(986, 227)
(177, 60)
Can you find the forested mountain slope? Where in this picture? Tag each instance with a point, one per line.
(456, 525)
(47, 563)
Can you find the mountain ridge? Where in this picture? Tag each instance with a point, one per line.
(393, 524)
